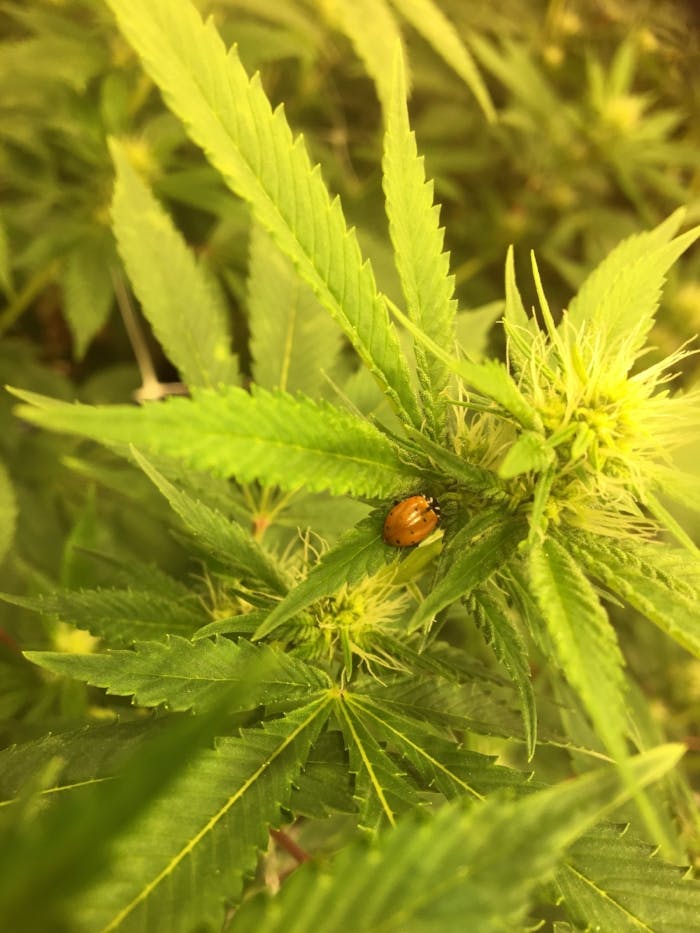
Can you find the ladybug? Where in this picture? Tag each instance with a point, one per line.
(410, 521)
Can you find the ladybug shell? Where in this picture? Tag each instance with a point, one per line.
(411, 521)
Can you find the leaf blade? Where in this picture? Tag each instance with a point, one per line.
(582, 637)
(186, 310)
(428, 19)
(418, 242)
(226, 801)
(476, 552)
(473, 869)
(229, 116)
(183, 675)
(278, 439)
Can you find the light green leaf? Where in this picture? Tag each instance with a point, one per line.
(475, 552)
(178, 296)
(230, 117)
(529, 452)
(418, 242)
(278, 439)
(503, 635)
(447, 462)
(473, 869)
(473, 326)
(218, 535)
(520, 329)
(184, 675)
(119, 616)
(583, 639)
(360, 552)
(88, 292)
(225, 801)
(612, 882)
(8, 512)
(372, 28)
(620, 297)
(293, 341)
(645, 577)
(429, 21)
(490, 378)
(241, 623)
(515, 314)
(627, 253)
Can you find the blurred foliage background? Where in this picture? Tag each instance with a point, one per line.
(597, 136)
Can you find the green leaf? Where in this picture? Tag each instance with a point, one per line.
(530, 452)
(293, 341)
(119, 616)
(476, 551)
(61, 849)
(91, 754)
(278, 439)
(418, 242)
(88, 292)
(241, 623)
(183, 675)
(465, 702)
(372, 28)
(474, 325)
(430, 22)
(6, 277)
(620, 298)
(360, 552)
(645, 577)
(503, 635)
(325, 785)
(490, 378)
(612, 882)
(229, 116)
(520, 326)
(470, 870)
(442, 764)
(382, 790)
(582, 637)
(216, 534)
(172, 868)
(446, 461)
(8, 512)
(178, 296)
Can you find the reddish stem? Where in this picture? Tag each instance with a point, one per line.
(290, 845)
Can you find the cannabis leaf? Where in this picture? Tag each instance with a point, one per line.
(465, 868)
(229, 116)
(276, 438)
(178, 296)
(418, 243)
(119, 616)
(225, 801)
(294, 342)
(582, 637)
(184, 675)
(621, 884)
(216, 534)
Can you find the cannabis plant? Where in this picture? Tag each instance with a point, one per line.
(382, 686)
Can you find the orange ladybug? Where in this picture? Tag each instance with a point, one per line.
(410, 521)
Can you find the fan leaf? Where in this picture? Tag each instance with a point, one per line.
(252, 146)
